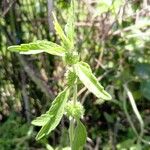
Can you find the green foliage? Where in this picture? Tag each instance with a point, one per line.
(70, 26)
(70, 77)
(112, 36)
(71, 58)
(65, 41)
(39, 47)
(79, 137)
(13, 135)
(74, 110)
(51, 119)
(55, 114)
(84, 73)
(42, 120)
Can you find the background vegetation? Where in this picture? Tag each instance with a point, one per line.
(113, 37)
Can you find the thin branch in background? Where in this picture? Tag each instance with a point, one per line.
(135, 109)
(50, 18)
(25, 97)
(41, 84)
(128, 115)
(88, 4)
(98, 141)
(136, 112)
(8, 8)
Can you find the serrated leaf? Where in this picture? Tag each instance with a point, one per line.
(66, 42)
(80, 136)
(42, 120)
(84, 73)
(39, 47)
(55, 112)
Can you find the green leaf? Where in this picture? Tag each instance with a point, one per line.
(84, 73)
(55, 112)
(66, 42)
(42, 120)
(38, 47)
(66, 148)
(79, 137)
(125, 144)
(49, 147)
(69, 28)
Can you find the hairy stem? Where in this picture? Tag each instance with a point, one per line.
(75, 93)
(72, 121)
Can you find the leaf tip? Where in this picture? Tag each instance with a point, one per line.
(107, 95)
(14, 48)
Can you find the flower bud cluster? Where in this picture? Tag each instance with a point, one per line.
(74, 110)
(71, 58)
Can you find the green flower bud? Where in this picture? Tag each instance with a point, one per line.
(71, 58)
(74, 110)
(71, 77)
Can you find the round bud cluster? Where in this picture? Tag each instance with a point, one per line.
(71, 77)
(74, 110)
(71, 58)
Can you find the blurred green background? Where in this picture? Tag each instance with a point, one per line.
(113, 36)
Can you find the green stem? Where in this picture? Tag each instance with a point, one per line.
(71, 131)
(75, 91)
(72, 121)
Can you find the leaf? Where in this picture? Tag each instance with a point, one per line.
(49, 147)
(32, 52)
(66, 42)
(84, 73)
(79, 137)
(42, 120)
(125, 144)
(69, 28)
(55, 112)
(38, 47)
(66, 148)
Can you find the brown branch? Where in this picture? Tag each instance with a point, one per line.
(36, 79)
(8, 8)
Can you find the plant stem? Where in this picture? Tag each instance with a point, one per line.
(72, 121)
(71, 131)
(75, 92)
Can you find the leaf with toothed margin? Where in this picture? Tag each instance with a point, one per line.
(59, 31)
(84, 72)
(41, 120)
(38, 47)
(55, 113)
